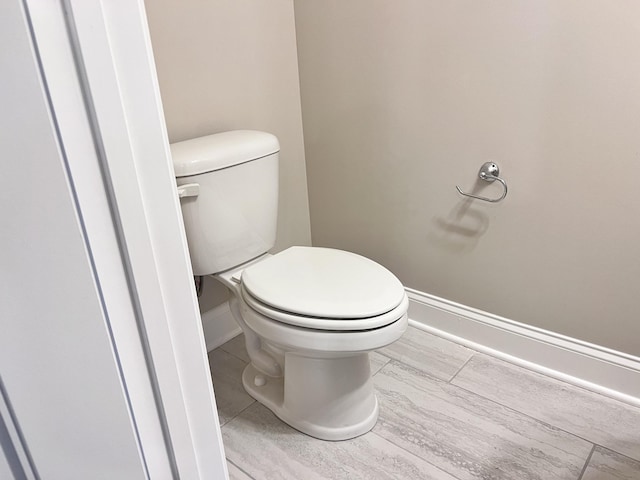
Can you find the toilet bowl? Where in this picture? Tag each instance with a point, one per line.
(310, 315)
(320, 329)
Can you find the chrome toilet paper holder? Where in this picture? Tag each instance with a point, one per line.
(489, 172)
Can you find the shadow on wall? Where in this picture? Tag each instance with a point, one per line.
(460, 230)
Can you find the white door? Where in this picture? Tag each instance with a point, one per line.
(103, 371)
(65, 409)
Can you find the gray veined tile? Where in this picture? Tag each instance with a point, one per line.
(267, 448)
(235, 473)
(468, 436)
(226, 373)
(237, 348)
(597, 418)
(608, 465)
(426, 352)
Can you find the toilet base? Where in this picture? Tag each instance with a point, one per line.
(326, 398)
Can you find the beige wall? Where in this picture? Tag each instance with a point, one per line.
(402, 100)
(225, 65)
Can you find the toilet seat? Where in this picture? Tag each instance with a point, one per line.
(324, 289)
(320, 323)
(323, 342)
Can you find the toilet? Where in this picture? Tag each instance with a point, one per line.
(310, 315)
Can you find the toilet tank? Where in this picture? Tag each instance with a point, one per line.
(231, 216)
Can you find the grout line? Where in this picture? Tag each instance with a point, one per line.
(236, 465)
(385, 363)
(243, 360)
(230, 352)
(237, 414)
(625, 455)
(463, 365)
(586, 463)
(418, 371)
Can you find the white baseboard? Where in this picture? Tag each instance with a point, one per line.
(596, 368)
(219, 326)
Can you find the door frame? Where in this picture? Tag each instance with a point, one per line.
(114, 68)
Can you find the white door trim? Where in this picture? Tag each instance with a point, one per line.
(114, 62)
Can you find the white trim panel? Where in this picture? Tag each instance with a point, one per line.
(596, 368)
(219, 326)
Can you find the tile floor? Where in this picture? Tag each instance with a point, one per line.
(446, 413)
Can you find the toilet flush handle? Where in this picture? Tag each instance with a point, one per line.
(188, 190)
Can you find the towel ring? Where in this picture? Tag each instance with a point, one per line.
(488, 172)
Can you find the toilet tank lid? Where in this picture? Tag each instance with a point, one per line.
(221, 150)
